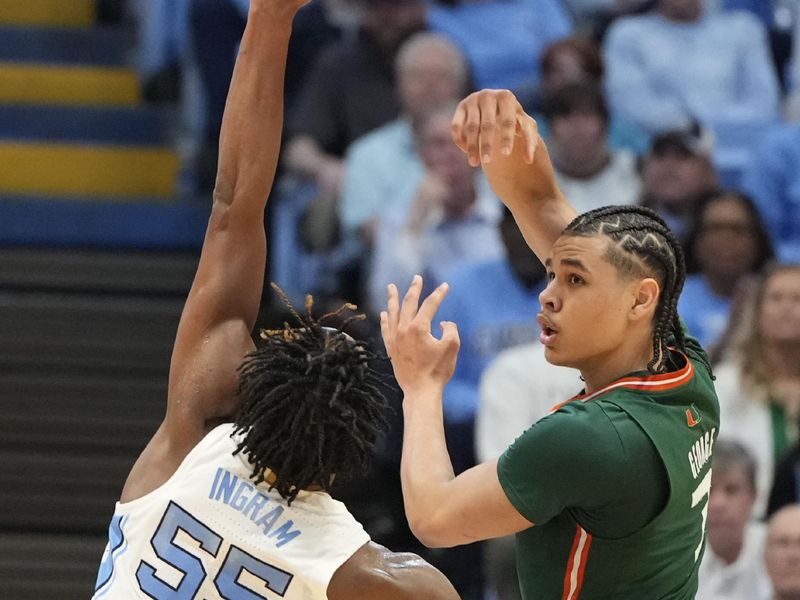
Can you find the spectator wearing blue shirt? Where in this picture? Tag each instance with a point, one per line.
(495, 304)
(451, 222)
(350, 91)
(679, 64)
(503, 39)
(383, 168)
(728, 243)
(677, 173)
(574, 60)
(772, 178)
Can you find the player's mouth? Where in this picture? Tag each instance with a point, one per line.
(548, 335)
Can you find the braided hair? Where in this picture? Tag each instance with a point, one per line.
(312, 406)
(642, 245)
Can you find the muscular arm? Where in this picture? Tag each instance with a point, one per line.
(214, 332)
(220, 312)
(375, 573)
(492, 124)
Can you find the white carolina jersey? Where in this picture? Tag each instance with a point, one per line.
(209, 533)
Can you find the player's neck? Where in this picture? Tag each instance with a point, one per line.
(270, 478)
(604, 370)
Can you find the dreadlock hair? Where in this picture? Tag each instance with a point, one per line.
(312, 407)
(642, 245)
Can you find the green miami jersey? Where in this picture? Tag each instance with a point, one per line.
(616, 484)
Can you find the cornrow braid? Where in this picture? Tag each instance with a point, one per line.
(643, 245)
(312, 406)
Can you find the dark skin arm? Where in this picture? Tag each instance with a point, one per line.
(214, 333)
(375, 573)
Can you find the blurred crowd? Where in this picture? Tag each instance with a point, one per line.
(687, 106)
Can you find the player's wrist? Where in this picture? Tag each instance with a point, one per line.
(277, 11)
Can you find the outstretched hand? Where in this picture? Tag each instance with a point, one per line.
(420, 361)
(491, 121)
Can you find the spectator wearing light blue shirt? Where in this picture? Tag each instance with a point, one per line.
(451, 223)
(727, 244)
(772, 178)
(383, 168)
(679, 64)
(503, 39)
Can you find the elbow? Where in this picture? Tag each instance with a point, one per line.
(223, 192)
(432, 534)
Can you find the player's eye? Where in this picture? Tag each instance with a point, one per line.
(551, 275)
(576, 279)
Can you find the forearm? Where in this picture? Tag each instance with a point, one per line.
(532, 195)
(253, 120)
(425, 468)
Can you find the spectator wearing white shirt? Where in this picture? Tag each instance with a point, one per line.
(782, 556)
(732, 567)
(682, 63)
(589, 173)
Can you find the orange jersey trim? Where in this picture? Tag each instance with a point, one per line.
(576, 565)
(651, 383)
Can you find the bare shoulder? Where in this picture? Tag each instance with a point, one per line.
(376, 573)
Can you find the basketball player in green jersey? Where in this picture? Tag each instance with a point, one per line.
(608, 494)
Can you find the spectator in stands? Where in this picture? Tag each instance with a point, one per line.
(491, 302)
(383, 168)
(216, 27)
(773, 180)
(591, 15)
(733, 565)
(451, 223)
(728, 242)
(518, 388)
(679, 64)
(576, 60)
(786, 488)
(162, 27)
(759, 384)
(350, 91)
(782, 554)
(502, 38)
(588, 172)
(677, 173)
(573, 59)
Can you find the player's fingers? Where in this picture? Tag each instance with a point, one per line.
(457, 128)
(472, 131)
(530, 134)
(392, 308)
(488, 125)
(410, 303)
(386, 333)
(507, 111)
(450, 337)
(429, 307)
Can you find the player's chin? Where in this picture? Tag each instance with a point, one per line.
(555, 356)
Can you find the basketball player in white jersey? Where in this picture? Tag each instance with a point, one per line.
(229, 499)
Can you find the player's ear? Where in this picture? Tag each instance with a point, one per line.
(645, 298)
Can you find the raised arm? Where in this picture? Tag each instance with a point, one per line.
(215, 329)
(494, 131)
